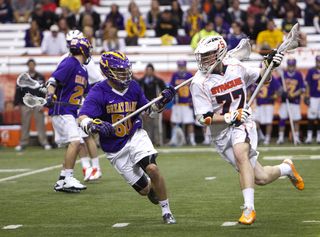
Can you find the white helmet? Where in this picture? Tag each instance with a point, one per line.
(73, 34)
(209, 53)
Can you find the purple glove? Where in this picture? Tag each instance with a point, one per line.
(102, 127)
(50, 98)
(307, 100)
(168, 95)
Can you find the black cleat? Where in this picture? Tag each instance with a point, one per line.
(169, 219)
(153, 197)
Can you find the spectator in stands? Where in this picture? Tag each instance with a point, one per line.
(47, 5)
(45, 19)
(73, 5)
(135, 27)
(176, 13)
(69, 16)
(166, 25)
(6, 12)
(253, 9)
(116, 16)
(22, 10)
(288, 22)
(218, 7)
(88, 32)
(63, 26)
(113, 42)
(2, 103)
(94, 2)
(261, 18)
(26, 112)
(34, 35)
(151, 87)
(292, 4)
(88, 10)
(251, 29)
(309, 12)
(194, 22)
(220, 26)
(54, 43)
(270, 38)
(153, 15)
(234, 38)
(236, 14)
(127, 15)
(206, 6)
(275, 10)
(207, 31)
(87, 20)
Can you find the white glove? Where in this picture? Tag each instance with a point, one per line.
(277, 59)
(244, 113)
(205, 120)
(237, 117)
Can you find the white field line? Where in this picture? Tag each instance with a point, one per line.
(39, 171)
(300, 157)
(229, 223)
(13, 170)
(10, 227)
(120, 224)
(311, 221)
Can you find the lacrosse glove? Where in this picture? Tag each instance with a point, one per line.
(307, 100)
(102, 127)
(50, 98)
(287, 95)
(237, 117)
(274, 57)
(168, 95)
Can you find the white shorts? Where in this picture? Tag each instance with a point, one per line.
(294, 109)
(125, 161)
(181, 114)
(314, 108)
(65, 128)
(236, 135)
(263, 114)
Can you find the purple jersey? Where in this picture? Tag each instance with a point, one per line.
(183, 95)
(313, 79)
(109, 105)
(266, 91)
(72, 84)
(293, 82)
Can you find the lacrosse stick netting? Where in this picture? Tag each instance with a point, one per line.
(24, 80)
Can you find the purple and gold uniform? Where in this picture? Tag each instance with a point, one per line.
(313, 79)
(293, 82)
(73, 83)
(109, 105)
(266, 91)
(184, 95)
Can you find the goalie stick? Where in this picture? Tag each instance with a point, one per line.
(33, 101)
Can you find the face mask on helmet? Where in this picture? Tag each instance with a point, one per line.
(210, 52)
(291, 65)
(116, 67)
(81, 45)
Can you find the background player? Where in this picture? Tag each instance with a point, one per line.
(294, 88)
(219, 97)
(68, 83)
(182, 111)
(312, 99)
(127, 146)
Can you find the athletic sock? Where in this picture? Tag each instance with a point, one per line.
(95, 163)
(281, 136)
(85, 162)
(165, 206)
(62, 174)
(267, 138)
(318, 135)
(192, 138)
(69, 172)
(296, 134)
(285, 169)
(309, 134)
(248, 195)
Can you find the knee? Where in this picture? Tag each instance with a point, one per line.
(153, 171)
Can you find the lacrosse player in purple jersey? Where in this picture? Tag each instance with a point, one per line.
(294, 88)
(127, 146)
(312, 99)
(68, 83)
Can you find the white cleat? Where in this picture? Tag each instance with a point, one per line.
(73, 183)
(308, 141)
(279, 142)
(87, 173)
(266, 143)
(96, 174)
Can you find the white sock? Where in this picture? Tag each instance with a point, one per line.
(248, 195)
(165, 207)
(192, 138)
(260, 133)
(281, 136)
(63, 173)
(285, 169)
(296, 134)
(69, 172)
(309, 134)
(267, 138)
(95, 163)
(318, 135)
(85, 162)
(207, 138)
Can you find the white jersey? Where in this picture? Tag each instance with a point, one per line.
(94, 75)
(223, 92)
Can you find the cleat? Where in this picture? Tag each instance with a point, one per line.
(308, 141)
(72, 183)
(19, 148)
(298, 142)
(169, 219)
(193, 144)
(96, 174)
(279, 142)
(87, 172)
(295, 178)
(153, 197)
(266, 143)
(248, 216)
(58, 187)
(47, 147)
(206, 143)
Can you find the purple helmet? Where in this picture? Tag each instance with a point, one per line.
(318, 57)
(116, 66)
(182, 62)
(291, 61)
(81, 46)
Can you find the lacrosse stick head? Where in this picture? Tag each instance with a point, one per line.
(242, 51)
(24, 80)
(291, 42)
(33, 101)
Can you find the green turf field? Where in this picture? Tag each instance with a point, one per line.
(199, 205)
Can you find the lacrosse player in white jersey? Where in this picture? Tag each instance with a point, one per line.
(94, 77)
(219, 97)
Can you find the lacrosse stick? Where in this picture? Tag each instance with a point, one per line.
(242, 51)
(24, 80)
(288, 107)
(33, 101)
(290, 43)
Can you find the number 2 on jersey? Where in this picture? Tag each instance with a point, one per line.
(228, 98)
